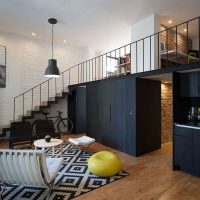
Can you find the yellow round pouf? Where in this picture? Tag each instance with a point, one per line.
(104, 163)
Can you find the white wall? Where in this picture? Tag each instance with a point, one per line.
(26, 62)
(139, 30)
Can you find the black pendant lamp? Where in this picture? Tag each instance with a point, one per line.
(52, 69)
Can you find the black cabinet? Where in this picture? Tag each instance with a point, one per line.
(197, 150)
(189, 84)
(187, 149)
(131, 116)
(92, 110)
(106, 112)
(148, 115)
(183, 152)
(103, 112)
(77, 109)
(118, 114)
(119, 119)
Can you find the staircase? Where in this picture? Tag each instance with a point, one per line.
(136, 56)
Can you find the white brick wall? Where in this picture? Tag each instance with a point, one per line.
(26, 62)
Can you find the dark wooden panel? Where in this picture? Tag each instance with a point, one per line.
(131, 115)
(183, 131)
(148, 115)
(91, 110)
(117, 135)
(183, 152)
(81, 109)
(196, 149)
(180, 104)
(72, 108)
(189, 84)
(103, 128)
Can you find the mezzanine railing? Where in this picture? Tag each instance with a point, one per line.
(170, 47)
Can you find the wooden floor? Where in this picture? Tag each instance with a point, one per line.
(151, 178)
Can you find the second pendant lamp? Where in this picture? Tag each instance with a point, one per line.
(52, 70)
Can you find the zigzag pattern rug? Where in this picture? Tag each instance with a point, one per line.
(73, 179)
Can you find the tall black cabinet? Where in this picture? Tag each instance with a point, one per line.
(119, 119)
(106, 112)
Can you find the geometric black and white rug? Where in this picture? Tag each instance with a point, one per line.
(73, 179)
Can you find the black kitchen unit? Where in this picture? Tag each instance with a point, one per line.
(186, 137)
(119, 118)
(187, 148)
(190, 84)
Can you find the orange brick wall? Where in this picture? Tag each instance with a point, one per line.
(182, 40)
(166, 112)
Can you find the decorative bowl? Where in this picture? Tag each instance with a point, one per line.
(47, 138)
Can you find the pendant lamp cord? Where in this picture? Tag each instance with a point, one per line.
(52, 41)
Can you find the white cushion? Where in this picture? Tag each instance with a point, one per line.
(84, 140)
(53, 166)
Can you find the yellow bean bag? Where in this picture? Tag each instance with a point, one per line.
(104, 163)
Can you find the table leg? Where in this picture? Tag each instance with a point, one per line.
(61, 150)
(53, 151)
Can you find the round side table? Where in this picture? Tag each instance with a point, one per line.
(52, 144)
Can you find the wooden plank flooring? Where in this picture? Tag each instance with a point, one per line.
(151, 178)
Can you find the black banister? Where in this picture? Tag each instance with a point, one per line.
(143, 53)
(150, 53)
(167, 39)
(136, 57)
(199, 35)
(55, 86)
(23, 103)
(32, 101)
(176, 46)
(187, 40)
(40, 94)
(158, 51)
(48, 90)
(69, 77)
(63, 87)
(14, 110)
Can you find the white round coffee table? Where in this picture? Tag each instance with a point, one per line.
(52, 144)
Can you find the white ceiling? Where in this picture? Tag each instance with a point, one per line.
(101, 24)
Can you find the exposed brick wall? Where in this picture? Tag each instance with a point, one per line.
(166, 112)
(182, 40)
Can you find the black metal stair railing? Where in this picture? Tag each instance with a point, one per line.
(169, 47)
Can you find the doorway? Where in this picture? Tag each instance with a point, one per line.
(166, 105)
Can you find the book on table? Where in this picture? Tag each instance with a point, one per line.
(84, 140)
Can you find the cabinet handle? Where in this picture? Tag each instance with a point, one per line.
(130, 112)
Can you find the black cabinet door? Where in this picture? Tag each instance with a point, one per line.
(183, 131)
(183, 152)
(81, 109)
(117, 135)
(91, 110)
(131, 115)
(103, 112)
(189, 84)
(196, 149)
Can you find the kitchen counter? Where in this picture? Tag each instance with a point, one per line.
(195, 125)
